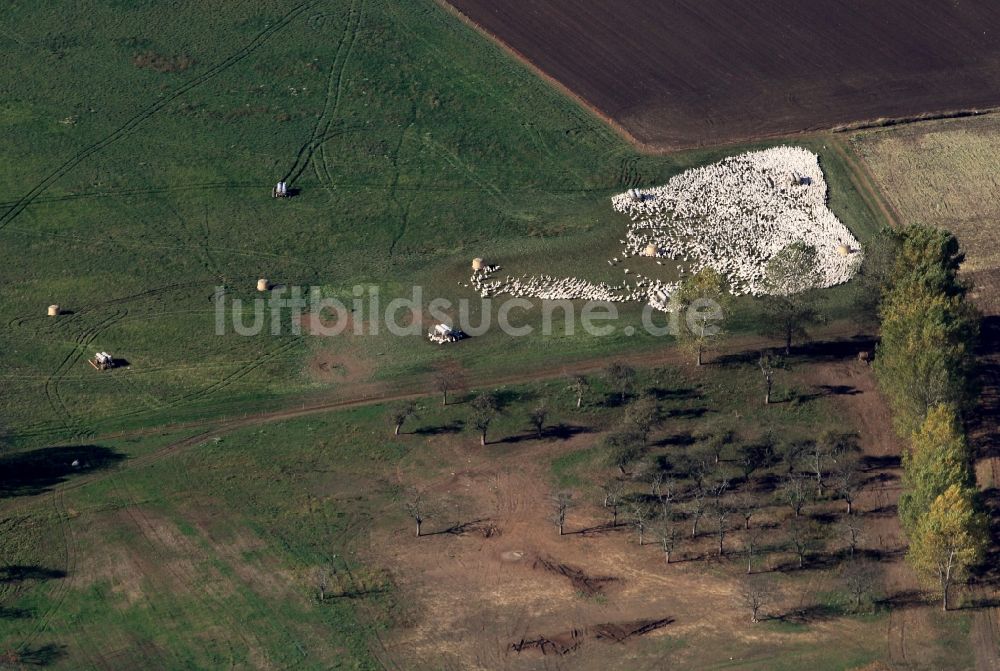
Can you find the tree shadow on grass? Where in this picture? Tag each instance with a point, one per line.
(879, 463)
(687, 413)
(988, 572)
(15, 613)
(984, 423)
(19, 572)
(904, 598)
(682, 439)
(38, 471)
(827, 390)
(674, 394)
(817, 612)
(455, 426)
(824, 350)
(482, 525)
(42, 655)
(560, 431)
(835, 350)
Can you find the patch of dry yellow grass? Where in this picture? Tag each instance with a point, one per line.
(943, 173)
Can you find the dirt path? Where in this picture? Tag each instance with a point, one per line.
(373, 394)
(864, 183)
(414, 390)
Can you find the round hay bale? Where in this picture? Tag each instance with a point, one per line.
(263, 284)
(844, 250)
(53, 310)
(477, 264)
(651, 250)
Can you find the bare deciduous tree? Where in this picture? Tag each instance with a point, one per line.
(448, 377)
(640, 513)
(746, 505)
(400, 414)
(695, 508)
(416, 509)
(720, 515)
(768, 364)
(847, 481)
(561, 503)
(717, 439)
(792, 454)
(794, 492)
(859, 579)
(613, 492)
(579, 385)
(662, 487)
(643, 416)
(624, 446)
(817, 456)
(667, 536)
(756, 593)
(717, 487)
(753, 456)
(621, 378)
(485, 407)
(804, 537)
(853, 532)
(322, 578)
(537, 419)
(752, 539)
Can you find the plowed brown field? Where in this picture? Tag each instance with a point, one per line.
(683, 73)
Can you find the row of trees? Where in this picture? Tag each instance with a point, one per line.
(925, 366)
(484, 407)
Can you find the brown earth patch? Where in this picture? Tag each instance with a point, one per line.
(469, 598)
(675, 75)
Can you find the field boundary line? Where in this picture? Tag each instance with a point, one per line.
(865, 184)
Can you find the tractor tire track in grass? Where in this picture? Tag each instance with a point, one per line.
(129, 126)
(325, 164)
(334, 89)
(57, 597)
(83, 341)
(628, 175)
(220, 384)
(403, 209)
(239, 373)
(157, 541)
(129, 507)
(78, 346)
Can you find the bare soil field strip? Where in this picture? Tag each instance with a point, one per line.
(674, 74)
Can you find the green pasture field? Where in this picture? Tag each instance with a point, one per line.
(141, 141)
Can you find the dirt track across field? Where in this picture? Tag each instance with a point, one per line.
(840, 335)
(676, 74)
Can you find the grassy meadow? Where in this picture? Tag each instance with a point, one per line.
(128, 193)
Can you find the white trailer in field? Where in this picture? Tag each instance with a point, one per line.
(102, 361)
(443, 333)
